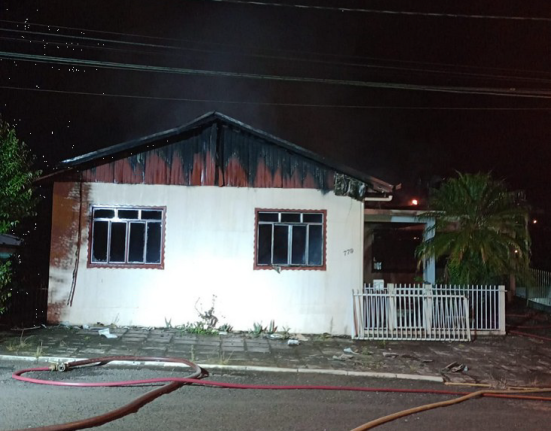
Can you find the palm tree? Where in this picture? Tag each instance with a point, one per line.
(480, 227)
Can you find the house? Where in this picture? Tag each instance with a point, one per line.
(213, 213)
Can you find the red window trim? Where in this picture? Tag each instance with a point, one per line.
(290, 268)
(90, 264)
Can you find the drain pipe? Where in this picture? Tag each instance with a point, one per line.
(377, 199)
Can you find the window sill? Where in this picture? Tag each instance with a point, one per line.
(278, 268)
(126, 266)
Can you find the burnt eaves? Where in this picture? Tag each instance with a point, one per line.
(169, 136)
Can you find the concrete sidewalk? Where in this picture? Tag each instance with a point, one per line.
(498, 361)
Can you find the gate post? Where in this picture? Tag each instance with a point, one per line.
(429, 264)
(427, 307)
(392, 323)
(501, 311)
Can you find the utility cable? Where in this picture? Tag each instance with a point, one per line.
(87, 47)
(97, 39)
(290, 105)
(114, 33)
(227, 45)
(384, 12)
(524, 93)
(132, 35)
(260, 56)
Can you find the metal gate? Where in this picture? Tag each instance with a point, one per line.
(410, 313)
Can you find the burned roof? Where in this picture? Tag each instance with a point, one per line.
(162, 138)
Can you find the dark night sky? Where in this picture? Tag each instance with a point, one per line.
(397, 135)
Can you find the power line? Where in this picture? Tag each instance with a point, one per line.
(96, 39)
(82, 30)
(508, 78)
(83, 46)
(115, 33)
(384, 12)
(507, 92)
(297, 105)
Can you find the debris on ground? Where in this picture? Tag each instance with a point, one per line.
(455, 367)
(293, 342)
(393, 355)
(342, 357)
(416, 358)
(105, 333)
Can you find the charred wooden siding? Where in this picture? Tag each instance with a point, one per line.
(215, 155)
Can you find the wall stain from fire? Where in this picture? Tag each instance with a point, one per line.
(69, 214)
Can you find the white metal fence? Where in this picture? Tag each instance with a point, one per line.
(427, 312)
(538, 295)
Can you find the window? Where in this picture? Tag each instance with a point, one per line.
(127, 237)
(290, 239)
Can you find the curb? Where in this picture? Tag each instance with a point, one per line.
(374, 374)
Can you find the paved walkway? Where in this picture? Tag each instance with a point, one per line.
(498, 361)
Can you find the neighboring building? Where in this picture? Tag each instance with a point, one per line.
(8, 245)
(152, 230)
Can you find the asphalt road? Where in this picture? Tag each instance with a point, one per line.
(24, 405)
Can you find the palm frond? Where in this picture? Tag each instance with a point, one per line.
(479, 226)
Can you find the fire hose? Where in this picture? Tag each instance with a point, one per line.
(197, 374)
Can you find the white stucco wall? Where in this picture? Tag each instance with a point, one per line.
(209, 250)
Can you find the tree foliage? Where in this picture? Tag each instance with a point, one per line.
(16, 196)
(480, 227)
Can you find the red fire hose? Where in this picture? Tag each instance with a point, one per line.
(173, 383)
(132, 407)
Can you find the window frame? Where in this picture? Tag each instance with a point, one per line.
(291, 267)
(129, 265)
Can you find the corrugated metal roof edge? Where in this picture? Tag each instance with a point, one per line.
(10, 240)
(376, 184)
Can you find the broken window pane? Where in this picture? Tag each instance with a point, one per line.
(137, 242)
(153, 251)
(281, 244)
(298, 252)
(264, 252)
(118, 242)
(99, 241)
(315, 245)
(128, 214)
